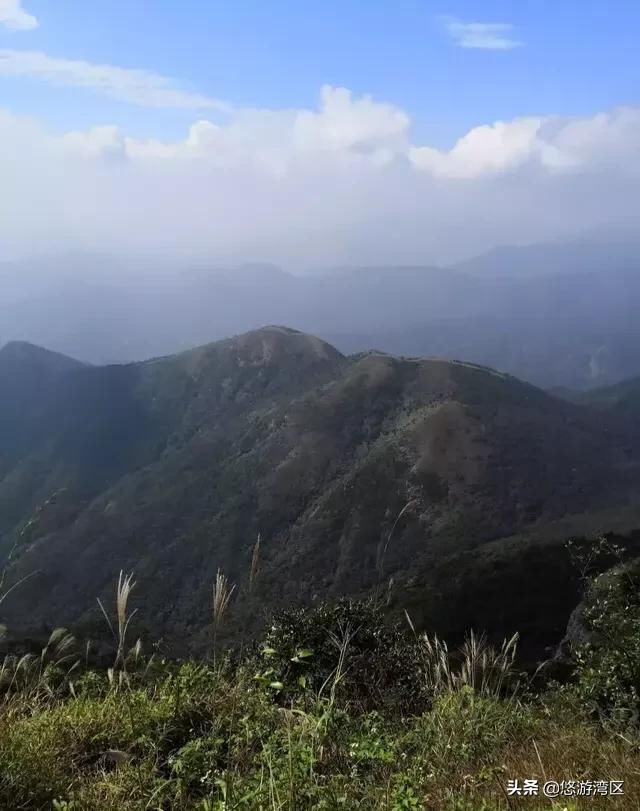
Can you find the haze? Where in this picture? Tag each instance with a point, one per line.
(147, 206)
(342, 182)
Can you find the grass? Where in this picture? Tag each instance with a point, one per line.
(124, 588)
(336, 709)
(171, 744)
(222, 594)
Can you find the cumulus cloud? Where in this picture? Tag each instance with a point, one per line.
(554, 144)
(274, 140)
(485, 149)
(345, 123)
(341, 183)
(485, 36)
(13, 16)
(133, 86)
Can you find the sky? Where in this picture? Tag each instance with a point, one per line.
(334, 132)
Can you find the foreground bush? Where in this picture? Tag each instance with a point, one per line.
(608, 662)
(336, 709)
(376, 663)
(206, 739)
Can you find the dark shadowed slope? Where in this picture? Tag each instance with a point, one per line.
(172, 468)
(25, 370)
(28, 374)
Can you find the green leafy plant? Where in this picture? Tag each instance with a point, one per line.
(382, 665)
(608, 662)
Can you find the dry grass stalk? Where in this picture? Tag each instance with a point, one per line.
(255, 561)
(124, 588)
(222, 593)
(381, 557)
(486, 670)
(341, 641)
(7, 592)
(36, 676)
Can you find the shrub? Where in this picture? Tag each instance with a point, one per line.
(608, 663)
(380, 664)
(367, 715)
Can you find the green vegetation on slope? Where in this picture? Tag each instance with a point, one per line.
(173, 467)
(335, 709)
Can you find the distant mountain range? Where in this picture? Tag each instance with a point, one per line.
(173, 467)
(556, 315)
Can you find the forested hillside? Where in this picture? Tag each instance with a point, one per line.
(352, 470)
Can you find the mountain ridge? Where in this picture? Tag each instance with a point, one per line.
(555, 314)
(172, 467)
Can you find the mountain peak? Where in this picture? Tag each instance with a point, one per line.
(272, 344)
(275, 432)
(19, 347)
(25, 352)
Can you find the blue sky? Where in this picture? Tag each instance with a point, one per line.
(575, 57)
(326, 132)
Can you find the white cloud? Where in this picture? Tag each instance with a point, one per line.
(13, 16)
(272, 140)
(486, 36)
(133, 86)
(347, 123)
(486, 149)
(337, 184)
(98, 142)
(555, 145)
